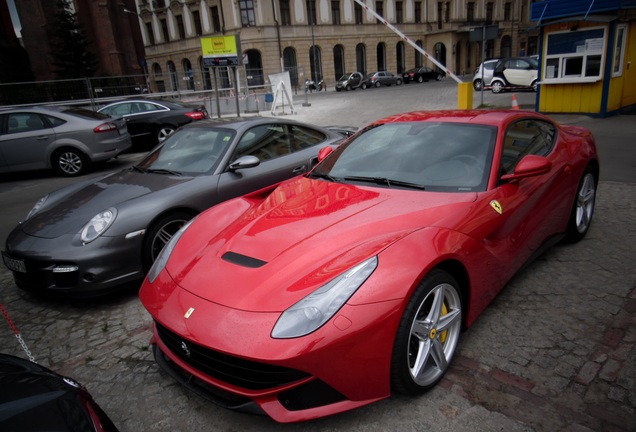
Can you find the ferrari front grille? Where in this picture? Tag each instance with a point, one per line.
(230, 369)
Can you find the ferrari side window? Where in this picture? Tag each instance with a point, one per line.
(526, 137)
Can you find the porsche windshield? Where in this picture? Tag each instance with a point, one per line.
(189, 151)
(432, 156)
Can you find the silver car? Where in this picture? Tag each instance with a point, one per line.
(67, 139)
(484, 73)
(104, 233)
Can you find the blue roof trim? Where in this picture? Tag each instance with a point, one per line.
(553, 9)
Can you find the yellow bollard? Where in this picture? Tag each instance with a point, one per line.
(465, 95)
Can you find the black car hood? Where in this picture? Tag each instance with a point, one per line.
(71, 212)
(34, 398)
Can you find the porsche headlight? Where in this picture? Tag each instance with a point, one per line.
(36, 207)
(97, 225)
(164, 255)
(318, 307)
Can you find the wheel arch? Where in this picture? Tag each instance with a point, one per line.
(458, 271)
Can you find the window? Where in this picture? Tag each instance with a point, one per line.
(619, 50)
(247, 13)
(24, 122)
(335, 12)
(440, 7)
(265, 142)
(358, 13)
(216, 20)
(399, 14)
(418, 12)
(447, 12)
(164, 30)
(180, 26)
(311, 12)
(489, 12)
(574, 56)
(196, 17)
(470, 12)
(507, 12)
(150, 33)
(379, 9)
(285, 13)
(526, 137)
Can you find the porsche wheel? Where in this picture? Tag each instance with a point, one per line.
(497, 87)
(70, 162)
(163, 132)
(160, 233)
(583, 208)
(428, 334)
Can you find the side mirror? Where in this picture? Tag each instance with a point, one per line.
(529, 166)
(243, 162)
(324, 152)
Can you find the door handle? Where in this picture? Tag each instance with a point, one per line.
(300, 169)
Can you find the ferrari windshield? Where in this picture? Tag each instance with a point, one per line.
(432, 156)
(189, 151)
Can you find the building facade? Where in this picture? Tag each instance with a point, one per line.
(323, 39)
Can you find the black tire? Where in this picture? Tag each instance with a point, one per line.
(160, 233)
(377, 84)
(163, 132)
(477, 84)
(70, 162)
(438, 77)
(348, 87)
(427, 338)
(399, 82)
(534, 86)
(364, 86)
(338, 89)
(497, 87)
(583, 207)
(420, 79)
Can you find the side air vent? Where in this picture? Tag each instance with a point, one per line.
(243, 260)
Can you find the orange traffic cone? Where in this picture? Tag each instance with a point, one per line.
(515, 104)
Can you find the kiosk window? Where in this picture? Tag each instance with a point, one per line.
(575, 55)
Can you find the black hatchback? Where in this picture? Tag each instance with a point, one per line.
(422, 74)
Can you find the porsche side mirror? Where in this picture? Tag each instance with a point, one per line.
(243, 162)
(324, 152)
(529, 166)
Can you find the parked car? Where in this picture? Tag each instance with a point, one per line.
(515, 73)
(381, 78)
(151, 121)
(66, 139)
(484, 73)
(422, 74)
(349, 81)
(356, 280)
(34, 399)
(96, 236)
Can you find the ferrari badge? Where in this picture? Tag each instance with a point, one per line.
(188, 313)
(495, 204)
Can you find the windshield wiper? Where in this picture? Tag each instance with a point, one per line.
(385, 181)
(163, 171)
(324, 176)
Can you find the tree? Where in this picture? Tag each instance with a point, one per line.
(70, 46)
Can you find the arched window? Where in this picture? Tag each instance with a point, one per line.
(188, 73)
(381, 56)
(172, 71)
(315, 62)
(254, 68)
(290, 64)
(439, 51)
(361, 59)
(399, 57)
(205, 73)
(338, 61)
(418, 55)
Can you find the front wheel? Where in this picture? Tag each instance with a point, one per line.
(399, 82)
(377, 84)
(420, 79)
(428, 334)
(438, 77)
(497, 87)
(477, 84)
(70, 162)
(583, 208)
(160, 234)
(364, 86)
(534, 86)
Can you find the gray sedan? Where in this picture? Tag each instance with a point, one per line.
(67, 139)
(102, 234)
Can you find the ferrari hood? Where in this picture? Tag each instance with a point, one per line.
(305, 233)
(75, 207)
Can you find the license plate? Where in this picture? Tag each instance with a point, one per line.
(13, 264)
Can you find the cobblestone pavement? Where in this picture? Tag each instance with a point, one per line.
(554, 352)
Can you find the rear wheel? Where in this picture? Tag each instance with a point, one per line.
(428, 334)
(438, 77)
(160, 234)
(399, 82)
(70, 162)
(164, 132)
(364, 85)
(583, 208)
(377, 84)
(349, 87)
(497, 86)
(534, 86)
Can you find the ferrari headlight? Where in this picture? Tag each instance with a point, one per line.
(317, 308)
(164, 255)
(97, 225)
(36, 207)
